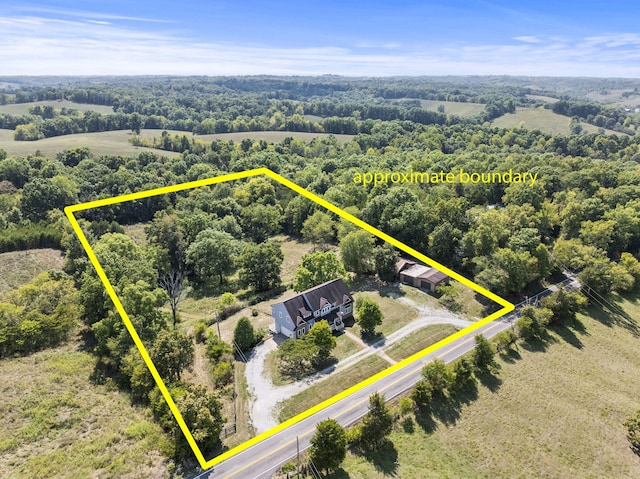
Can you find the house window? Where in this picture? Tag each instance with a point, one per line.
(280, 314)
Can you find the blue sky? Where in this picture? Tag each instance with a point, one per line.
(90, 37)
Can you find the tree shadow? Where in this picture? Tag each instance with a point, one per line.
(375, 338)
(384, 458)
(568, 336)
(408, 425)
(337, 474)
(613, 314)
(540, 344)
(425, 420)
(489, 379)
(511, 355)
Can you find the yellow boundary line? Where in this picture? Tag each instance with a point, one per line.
(205, 464)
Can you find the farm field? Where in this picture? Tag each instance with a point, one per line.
(543, 120)
(23, 108)
(100, 143)
(20, 267)
(454, 107)
(554, 410)
(547, 99)
(117, 142)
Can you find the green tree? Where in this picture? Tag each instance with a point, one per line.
(172, 352)
(317, 268)
(356, 250)
(384, 260)
(505, 340)
(37, 315)
(202, 412)
(462, 373)
(369, 315)
(439, 376)
(422, 393)
(259, 222)
(244, 334)
(318, 228)
(563, 305)
(483, 353)
(443, 242)
(213, 253)
(377, 424)
(296, 356)
(322, 337)
(260, 265)
(328, 445)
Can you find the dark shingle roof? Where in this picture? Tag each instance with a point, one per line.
(330, 292)
(302, 305)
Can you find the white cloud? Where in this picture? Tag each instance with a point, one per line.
(528, 39)
(35, 45)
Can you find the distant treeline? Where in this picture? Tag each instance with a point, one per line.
(603, 116)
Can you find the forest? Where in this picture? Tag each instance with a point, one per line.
(581, 214)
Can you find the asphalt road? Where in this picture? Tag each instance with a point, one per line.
(263, 459)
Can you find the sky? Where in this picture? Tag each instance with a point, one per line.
(354, 38)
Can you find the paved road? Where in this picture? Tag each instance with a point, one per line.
(263, 459)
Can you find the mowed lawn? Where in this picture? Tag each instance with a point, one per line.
(556, 411)
(56, 423)
(20, 267)
(543, 120)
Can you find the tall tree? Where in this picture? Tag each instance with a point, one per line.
(172, 352)
(213, 253)
(321, 335)
(244, 334)
(356, 249)
(377, 424)
(483, 353)
(260, 265)
(173, 283)
(318, 228)
(317, 268)
(328, 445)
(369, 315)
(384, 259)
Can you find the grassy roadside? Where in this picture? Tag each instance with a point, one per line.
(330, 387)
(554, 410)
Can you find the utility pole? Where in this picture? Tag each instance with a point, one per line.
(298, 460)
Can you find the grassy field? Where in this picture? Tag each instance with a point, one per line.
(20, 267)
(330, 387)
(23, 108)
(56, 423)
(547, 99)
(543, 120)
(117, 142)
(555, 410)
(101, 143)
(454, 107)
